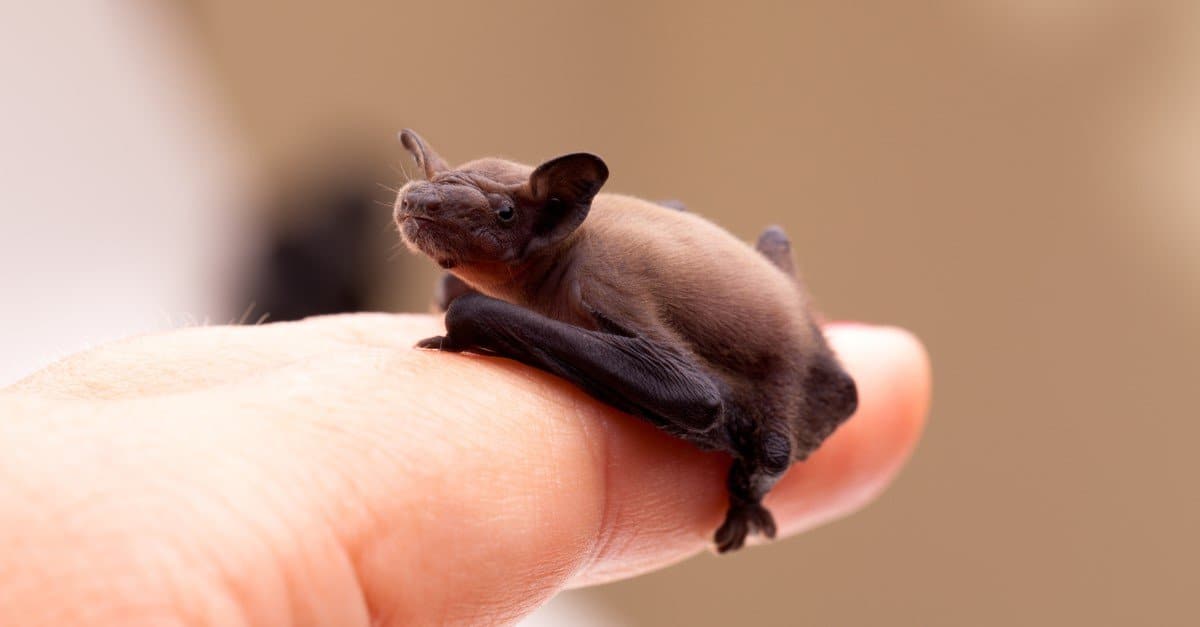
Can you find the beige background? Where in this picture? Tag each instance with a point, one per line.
(1019, 182)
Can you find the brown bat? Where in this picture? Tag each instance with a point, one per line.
(651, 309)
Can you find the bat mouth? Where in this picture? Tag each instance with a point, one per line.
(428, 237)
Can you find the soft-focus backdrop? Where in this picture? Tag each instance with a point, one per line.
(1017, 181)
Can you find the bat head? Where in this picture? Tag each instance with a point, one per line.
(493, 211)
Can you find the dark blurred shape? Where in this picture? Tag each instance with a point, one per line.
(322, 254)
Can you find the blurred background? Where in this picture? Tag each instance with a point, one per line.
(1018, 181)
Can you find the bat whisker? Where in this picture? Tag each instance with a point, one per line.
(246, 314)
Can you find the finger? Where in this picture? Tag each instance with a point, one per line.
(497, 485)
(194, 358)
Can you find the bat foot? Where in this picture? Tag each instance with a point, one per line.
(439, 342)
(741, 520)
(775, 246)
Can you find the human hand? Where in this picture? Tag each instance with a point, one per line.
(325, 472)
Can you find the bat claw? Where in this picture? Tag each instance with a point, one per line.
(742, 520)
(438, 342)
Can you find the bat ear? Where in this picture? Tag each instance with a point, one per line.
(564, 188)
(427, 159)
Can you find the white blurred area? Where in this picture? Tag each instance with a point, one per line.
(119, 181)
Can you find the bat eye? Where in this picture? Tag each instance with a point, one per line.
(506, 213)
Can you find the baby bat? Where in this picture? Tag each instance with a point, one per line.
(651, 309)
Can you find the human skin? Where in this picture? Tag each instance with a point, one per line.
(325, 472)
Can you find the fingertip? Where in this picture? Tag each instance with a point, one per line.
(892, 360)
(858, 461)
(891, 368)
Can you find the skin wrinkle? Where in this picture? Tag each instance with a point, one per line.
(605, 535)
(107, 536)
(95, 601)
(373, 535)
(376, 355)
(213, 501)
(599, 440)
(555, 432)
(567, 443)
(429, 561)
(288, 549)
(354, 493)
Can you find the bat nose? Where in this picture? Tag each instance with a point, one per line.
(421, 201)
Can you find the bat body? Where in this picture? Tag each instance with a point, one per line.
(651, 309)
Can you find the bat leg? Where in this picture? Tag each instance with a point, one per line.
(448, 288)
(629, 372)
(677, 205)
(777, 248)
(750, 478)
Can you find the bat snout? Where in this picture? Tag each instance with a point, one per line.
(419, 200)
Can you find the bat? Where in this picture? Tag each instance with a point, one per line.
(647, 307)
